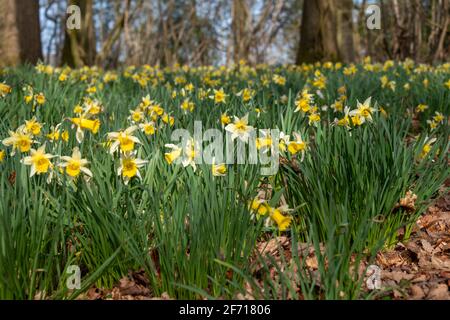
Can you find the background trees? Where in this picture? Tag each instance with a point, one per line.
(199, 32)
(20, 39)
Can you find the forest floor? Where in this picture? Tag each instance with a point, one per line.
(420, 268)
(417, 269)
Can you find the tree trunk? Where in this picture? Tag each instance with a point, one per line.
(79, 45)
(20, 32)
(345, 30)
(318, 40)
(240, 27)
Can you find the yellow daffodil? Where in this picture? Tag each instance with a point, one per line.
(38, 160)
(123, 139)
(91, 90)
(447, 84)
(433, 125)
(91, 125)
(186, 105)
(283, 222)
(304, 101)
(218, 170)
(65, 136)
(4, 89)
(174, 154)
(264, 142)
(93, 108)
(62, 77)
(28, 98)
(75, 165)
(219, 96)
(320, 81)
(78, 109)
(146, 102)
(33, 126)
(129, 166)
(350, 70)
(280, 80)
(2, 155)
(148, 128)
(259, 207)
(40, 98)
(168, 119)
(19, 140)
(224, 119)
(136, 116)
(345, 121)
(297, 145)
(438, 117)
(82, 123)
(313, 118)
(246, 94)
(427, 147)
(421, 108)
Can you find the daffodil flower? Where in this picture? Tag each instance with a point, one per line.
(224, 119)
(239, 128)
(19, 140)
(4, 89)
(2, 155)
(33, 126)
(123, 139)
(218, 170)
(187, 105)
(246, 94)
(345, 121)
(421, 108)
(427, 147)
(38, 160)
(297, 145)
(190, 152)
(136, 116)
(219, 96)
(364, 111)
(74, 165)
(283, 221)
(82, 123)
(174, 154)
(259, 207)
(148, 128)
(264, 142)
(129, 166)
(304, 101)
(284, 141)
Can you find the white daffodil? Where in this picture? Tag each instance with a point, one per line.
(239, 128)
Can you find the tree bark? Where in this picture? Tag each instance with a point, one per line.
(345, 30)
(318, 40)
(20, 32)
(240, 27)
(79, 45)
